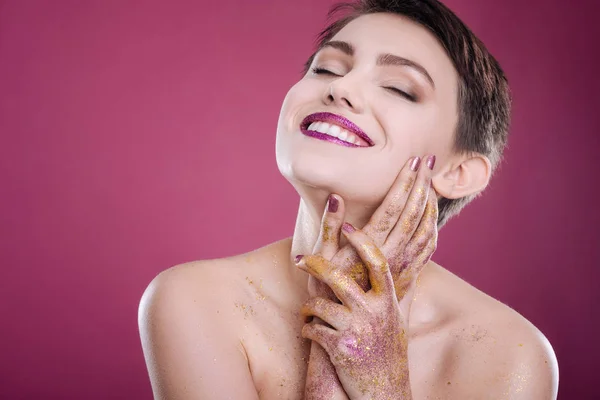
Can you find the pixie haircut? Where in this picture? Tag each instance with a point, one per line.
(484, 99)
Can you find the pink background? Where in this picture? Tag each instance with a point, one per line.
(137, 135)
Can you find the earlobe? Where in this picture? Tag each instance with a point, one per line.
(469, 175)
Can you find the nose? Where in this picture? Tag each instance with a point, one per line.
(344, 93)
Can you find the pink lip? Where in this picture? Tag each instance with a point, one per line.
(338, 120)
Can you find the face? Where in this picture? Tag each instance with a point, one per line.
(384, 90)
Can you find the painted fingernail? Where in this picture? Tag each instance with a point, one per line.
(332, 204)
(298, 258)
(415, 164)
(430, 161)
(348, 228)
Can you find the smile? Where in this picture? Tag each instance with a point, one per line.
(335, 128)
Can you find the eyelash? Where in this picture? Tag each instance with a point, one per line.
(322, 71)
(399, 92)
(409, 97)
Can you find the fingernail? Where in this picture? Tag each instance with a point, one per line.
(298, 258)
(415, 164)
(348, 228)
(332, 204)
(430, 161)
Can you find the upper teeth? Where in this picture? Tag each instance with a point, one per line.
(335, 131)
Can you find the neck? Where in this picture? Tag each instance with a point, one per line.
(308, 225)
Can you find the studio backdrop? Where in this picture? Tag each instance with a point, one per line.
(137, 135)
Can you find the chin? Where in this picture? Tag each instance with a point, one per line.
(316, 168)
(311, 175)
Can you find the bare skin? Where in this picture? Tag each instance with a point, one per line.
(462, 344)
(232, 328)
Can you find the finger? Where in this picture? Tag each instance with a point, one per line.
(376, 263)
(419, 249)
(413, 210)
(385, 217)
(332, 313)
(347, 260)
(343, 286)
(318, 288)
(321, 334)
(329, 237)
(425, 236)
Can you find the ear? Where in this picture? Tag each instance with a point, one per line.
(462, 176)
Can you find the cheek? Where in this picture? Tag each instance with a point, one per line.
(287, 107)
(372, 177)
(416, 131)
(302, 94)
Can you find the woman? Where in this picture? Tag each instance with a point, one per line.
(399, 121)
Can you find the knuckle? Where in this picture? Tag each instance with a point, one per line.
(318, 303)
(389, 250)
(405, 263)
(408, 184)
(317, 263)
(407, 177)
(327, 234)
(337, 273)
(376, 257)
(305, 311)
(308, 304)
(393, 255)
(333, 219)
(392, 210)
(356, 271)
(348, 346)
(421, 244)
(421, 193)
(409, 222)
(307, 331)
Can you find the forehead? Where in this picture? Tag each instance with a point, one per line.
(375, 34)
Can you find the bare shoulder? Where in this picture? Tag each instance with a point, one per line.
(192, 282)
(217, 281)
(492, 346)
(189, 328)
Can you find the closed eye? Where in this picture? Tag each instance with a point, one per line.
(323, 71)
(402, 93)
(408, 96)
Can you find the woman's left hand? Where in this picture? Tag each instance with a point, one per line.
(367, 334)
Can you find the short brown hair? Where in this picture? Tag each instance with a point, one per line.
(484, 99)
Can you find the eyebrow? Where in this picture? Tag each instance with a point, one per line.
(383, 59)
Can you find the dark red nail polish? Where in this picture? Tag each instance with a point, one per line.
(431, 162)
(332, 204)
(415, 164)
(348, 228)
(298, 258)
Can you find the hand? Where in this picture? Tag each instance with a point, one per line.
(408, 260)
(391, 226)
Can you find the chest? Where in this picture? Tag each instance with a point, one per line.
(278, 358)
(277, 353)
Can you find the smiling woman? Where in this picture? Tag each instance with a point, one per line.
(398, 122)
